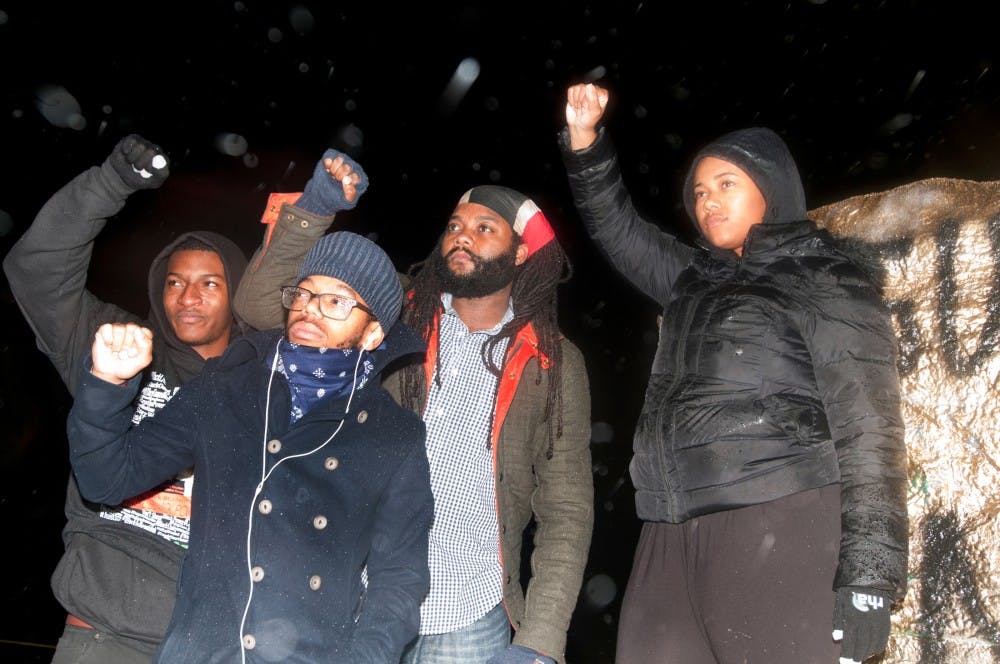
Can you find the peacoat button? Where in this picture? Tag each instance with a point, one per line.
(288, 217)
(274, 446)
(362, 417)
(319, 522)
(257, 573)
(265, 506)
(331, 463)
(508, 580)
(315, 581)
(503, 528)
(249, 641)
(304, 224)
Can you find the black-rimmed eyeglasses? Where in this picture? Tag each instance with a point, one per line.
(331, 305)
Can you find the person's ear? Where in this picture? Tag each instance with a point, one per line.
(521, 253)
(374, 337)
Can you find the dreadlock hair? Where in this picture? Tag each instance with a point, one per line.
(534, 296)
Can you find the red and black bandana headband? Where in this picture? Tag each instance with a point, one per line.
(518, 210)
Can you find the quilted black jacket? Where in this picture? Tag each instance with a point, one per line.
(775, 372)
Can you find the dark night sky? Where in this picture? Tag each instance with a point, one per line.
(868, 95)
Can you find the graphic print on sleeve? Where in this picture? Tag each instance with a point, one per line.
(165, 510)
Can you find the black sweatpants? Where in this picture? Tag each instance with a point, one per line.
(752, 585)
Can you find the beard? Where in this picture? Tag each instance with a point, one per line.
(487, 277)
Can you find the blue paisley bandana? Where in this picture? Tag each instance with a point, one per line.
(317, 373)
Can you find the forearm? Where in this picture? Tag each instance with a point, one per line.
(639, 250)
(390, 618)
(861, 396)
(96, 429)
(276, 264)
(874, 524)
(112, 460)
(47, 268)
(398, 573)
(564, 515)
(873, 475)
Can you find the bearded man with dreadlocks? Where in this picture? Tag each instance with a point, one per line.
(506, 402)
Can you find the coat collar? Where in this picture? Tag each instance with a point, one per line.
(400, 341)
(764, 239)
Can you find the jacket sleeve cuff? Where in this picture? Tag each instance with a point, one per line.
(115, 187)
(121, 393)
(299, 215)
(576, 161)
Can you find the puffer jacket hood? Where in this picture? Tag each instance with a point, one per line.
(184, 359)
(766, 159)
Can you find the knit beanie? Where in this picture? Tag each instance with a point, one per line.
(765, 157)
(362, 265)
(524, 216)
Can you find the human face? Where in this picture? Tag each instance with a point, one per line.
(309, 327)
(479, 252)
(727, 203)
(196, 300)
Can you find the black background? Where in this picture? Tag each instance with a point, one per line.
(868, 95)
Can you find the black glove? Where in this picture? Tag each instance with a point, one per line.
(323, 195)
(139, 163)
(861, 619)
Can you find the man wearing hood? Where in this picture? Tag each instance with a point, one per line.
(769, 464)
(117, 576)
(313, 500)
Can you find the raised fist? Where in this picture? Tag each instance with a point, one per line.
(336, 184)
(585, 105)
(139, 163)
(120, 351)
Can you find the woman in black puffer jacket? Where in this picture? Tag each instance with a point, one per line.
(769, 463)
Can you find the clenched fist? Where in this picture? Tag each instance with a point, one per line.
(120, 351)
(139, 163)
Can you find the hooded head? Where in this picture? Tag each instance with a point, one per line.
(764, 156)
(188, 315)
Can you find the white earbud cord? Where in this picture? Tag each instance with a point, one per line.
(265, 475)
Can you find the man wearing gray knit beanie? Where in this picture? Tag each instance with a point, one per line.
(505, 399)
(309, 536)
(358, 267)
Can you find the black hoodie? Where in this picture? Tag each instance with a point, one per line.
(174, 359)
(119, 569)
